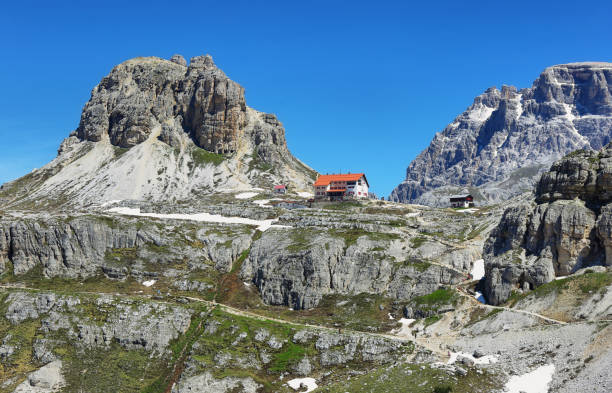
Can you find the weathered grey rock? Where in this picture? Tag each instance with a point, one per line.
(224, 249)
(460, 371)
(86, 246)
(300, 276)
(6, 351)
(212, 106)
(465, 360)
(501, 144)
(302, 336)
(178, 59)
(303, 367)
(148, 326)
(42, 350)
(604, 232)
(211, 327)
(274, 343)
(206, 383)
(261, 335)
(240, 337)
(71, 249)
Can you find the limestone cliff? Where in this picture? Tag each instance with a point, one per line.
(568, 227)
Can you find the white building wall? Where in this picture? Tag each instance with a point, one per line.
(358, 190)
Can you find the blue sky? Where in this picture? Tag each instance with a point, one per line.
(359, 86)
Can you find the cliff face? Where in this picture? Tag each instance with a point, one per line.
(501, 144)
(142, 94)
(567, 228)
(160, 130)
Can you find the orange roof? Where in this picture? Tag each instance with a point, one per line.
(324, 180)
(337, 190)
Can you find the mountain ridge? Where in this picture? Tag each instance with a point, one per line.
(502, 142)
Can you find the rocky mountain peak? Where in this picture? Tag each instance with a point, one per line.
(178, 59)
(178, 129)
(151, 95)
(502, 143)
(204, 62)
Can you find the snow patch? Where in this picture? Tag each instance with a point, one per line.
(534, 382)
(261, 202)
(390, 316)
(469, 211)
(246, 195)
(305, 194)
(148, 283)
(480, 113)
(478, 270)
(262, 225)
(405, 329)
(310, 383)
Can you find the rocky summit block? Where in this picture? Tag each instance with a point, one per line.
(507, 138)
(568, 228)
(141, 93)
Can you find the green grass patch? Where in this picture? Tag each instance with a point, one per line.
(594, 282)
(342, 205)
(386, 211)
(119, 151)
(418, 264)
(301, 239)
(432, 319)
(257, 163)
(417, 241)
(350, 236)
(416, 378)
(289, 357)
(553, 286)
(202, 157)
(440, 296)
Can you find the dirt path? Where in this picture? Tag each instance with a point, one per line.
(488, 306)
(243, 313)
(428, 343)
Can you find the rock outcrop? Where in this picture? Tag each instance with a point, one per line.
(86, 246)
(501, 144)
(567, 228)
(144, 93)
(159, 130)
(299, 267)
